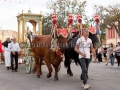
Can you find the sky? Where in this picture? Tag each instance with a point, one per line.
(9, 10)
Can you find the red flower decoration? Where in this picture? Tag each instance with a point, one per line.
(79, 18)
(70, 19)
(92, 30)
(54, 19)
(96, 18)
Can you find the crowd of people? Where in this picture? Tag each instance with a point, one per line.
(10, 50)
(109, 53)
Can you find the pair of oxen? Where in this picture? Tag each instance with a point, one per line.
(41, 48)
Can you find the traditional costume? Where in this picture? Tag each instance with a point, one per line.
(7, 54)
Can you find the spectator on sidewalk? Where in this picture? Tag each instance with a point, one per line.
(105, 52)
(99, 54)
(7, 53)
(15, 51)
(117, 51)
(111, 54)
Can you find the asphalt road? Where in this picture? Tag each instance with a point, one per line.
(101, 78)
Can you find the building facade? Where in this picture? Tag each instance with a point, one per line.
(112, 36)
(7, 33)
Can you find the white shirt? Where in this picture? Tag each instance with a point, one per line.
(100, 50)
(118, 47)
(84, 46)
(14, 47)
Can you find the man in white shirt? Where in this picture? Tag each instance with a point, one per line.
(15, 51)
(83, 47)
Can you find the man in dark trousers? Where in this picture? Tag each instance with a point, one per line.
(83, 48)
(105, 52)
(15, 51)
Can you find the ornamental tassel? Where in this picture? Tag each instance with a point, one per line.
(70, 21)
(79, 20)
(53, 32)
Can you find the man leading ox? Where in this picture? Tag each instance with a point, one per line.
(83, 48)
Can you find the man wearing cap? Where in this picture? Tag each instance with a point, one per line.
(83, 48)
(15, 51)
(7, 53)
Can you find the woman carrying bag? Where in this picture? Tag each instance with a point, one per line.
(111, 54)
(117, 52)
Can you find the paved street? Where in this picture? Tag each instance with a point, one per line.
(101, 78)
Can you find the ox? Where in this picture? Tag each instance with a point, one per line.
(40, 47)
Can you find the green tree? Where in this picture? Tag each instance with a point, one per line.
(46, 25)
(108, 16)
(62, 8)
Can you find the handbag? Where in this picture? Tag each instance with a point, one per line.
(117, 53)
